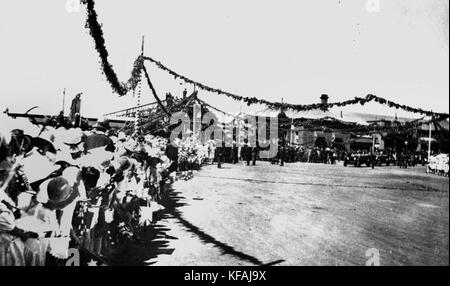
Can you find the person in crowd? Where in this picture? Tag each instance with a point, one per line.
(75, 106)
(60, 117)
(219, 154)
(281, 151)
(76, 122)
(254, 153)
(372, 159)
(235, 153)
(245, 150)
(98, 138)
(89, 189)
(20, 231)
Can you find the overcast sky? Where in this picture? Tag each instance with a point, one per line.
(294, 50)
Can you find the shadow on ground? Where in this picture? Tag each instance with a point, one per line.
(155, 241)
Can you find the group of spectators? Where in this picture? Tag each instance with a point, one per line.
(439, 164)
(286, 153)
(92, 190)
(290, 153)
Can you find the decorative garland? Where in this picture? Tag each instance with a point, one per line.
(95, 30)
(137, 127)
(297, 107)
(381, 100)
(152, 88)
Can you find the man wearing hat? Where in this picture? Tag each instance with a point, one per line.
(56, 206)
(98, 138)
(73, 142)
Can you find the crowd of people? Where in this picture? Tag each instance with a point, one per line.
(286, 153)
(385, 158)
(439, 164)
(92, 190)
(290, 153)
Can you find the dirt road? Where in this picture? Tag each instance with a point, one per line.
(304, 214)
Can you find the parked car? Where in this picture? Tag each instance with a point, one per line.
(385, 159)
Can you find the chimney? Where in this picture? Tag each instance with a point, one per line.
(324, 101)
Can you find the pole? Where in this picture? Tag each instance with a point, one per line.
(373, 143)
(138, 111)
(64, 100)
(429, 141)
(292, 131)
(196, 114)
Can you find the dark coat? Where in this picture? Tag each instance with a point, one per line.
(98, 140)
(75, 107)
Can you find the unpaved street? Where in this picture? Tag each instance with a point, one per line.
(303, 214)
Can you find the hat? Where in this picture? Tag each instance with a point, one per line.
(124, 163)
(101, 125)
(60, 193)
(121, 136)
(71, 174)
(5, 166)
(114, 139)
(96, 157)
(21, 140)
(148, 137)
(74, 138)
(4, 139)
(153, 152)
(3, 147)
(48, 133)
(37, 167)
(64, 158)
(129, 145)
(43, 145)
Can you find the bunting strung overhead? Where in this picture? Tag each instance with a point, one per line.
(95, 29)
(152, 88)
(406, 108)
(297, 107)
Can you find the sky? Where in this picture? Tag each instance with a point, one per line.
(285, 49)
